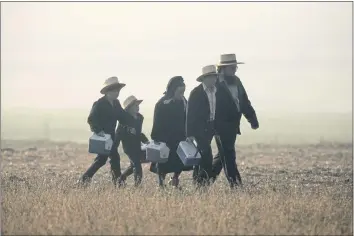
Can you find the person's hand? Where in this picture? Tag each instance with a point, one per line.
(255, 126)
(190, 139)
(132, 130)
(101, 134)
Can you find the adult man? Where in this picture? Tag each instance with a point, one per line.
(228, 125)
(105, 113)
(200, 125)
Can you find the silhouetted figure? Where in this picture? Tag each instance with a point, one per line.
(228, 119)
(103, 118)
(169, 127)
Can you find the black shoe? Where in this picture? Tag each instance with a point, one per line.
(122, 184)
(236, 184)
(83, 182)
(174, 182)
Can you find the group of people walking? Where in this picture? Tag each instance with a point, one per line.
(213, 110)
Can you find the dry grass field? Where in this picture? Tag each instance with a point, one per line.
(289, 190)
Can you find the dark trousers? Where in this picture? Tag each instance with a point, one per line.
(226, 159)
(135, 167)
(202, 172)
(100, 161)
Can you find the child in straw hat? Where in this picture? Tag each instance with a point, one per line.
(131, 136)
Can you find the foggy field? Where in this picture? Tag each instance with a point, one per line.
(297, 168)
(283, 128)
(289, 189)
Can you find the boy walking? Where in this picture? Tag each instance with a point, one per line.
(131, 136)
(103, 118)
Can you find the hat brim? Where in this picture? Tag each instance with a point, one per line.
(133, 102)
(200, 78)
(112, 86)
(230, 64)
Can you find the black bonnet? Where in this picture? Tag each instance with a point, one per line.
(173, 84)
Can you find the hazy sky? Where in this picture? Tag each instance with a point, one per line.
(298, 55)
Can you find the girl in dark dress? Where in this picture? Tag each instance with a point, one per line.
(169, 127)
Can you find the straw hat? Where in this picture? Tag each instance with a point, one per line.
(207, 70)
(130, 101)
(111, 83)
(228, 59)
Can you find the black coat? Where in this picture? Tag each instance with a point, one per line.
(198, 113)
(131, 142)
(169, 127)
(227, 116)
(104, 116)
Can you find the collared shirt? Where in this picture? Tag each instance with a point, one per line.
(212, 100)
(233, 90)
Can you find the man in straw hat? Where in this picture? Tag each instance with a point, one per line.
(229, 120)
(103, 119)
(201, 111)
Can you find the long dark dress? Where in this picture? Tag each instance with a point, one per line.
(169, 127)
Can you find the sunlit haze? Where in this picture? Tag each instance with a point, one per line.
(298, 56)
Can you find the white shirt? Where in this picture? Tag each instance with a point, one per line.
(212, 100)
(234, 92)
